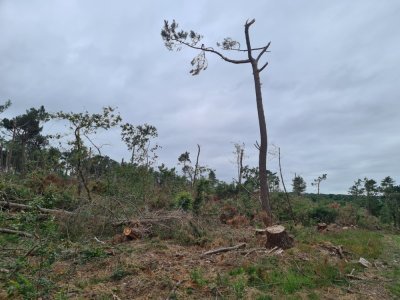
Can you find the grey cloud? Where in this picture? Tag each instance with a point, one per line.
(330, 89)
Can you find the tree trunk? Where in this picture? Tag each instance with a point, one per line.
(79, 164)
(240, 173)
(278, 237)
(262, 160)
(284, 187)
(196, 167)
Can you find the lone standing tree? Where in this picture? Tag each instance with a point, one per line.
(174, 39)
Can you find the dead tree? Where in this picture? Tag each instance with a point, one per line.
(175, 39)
(284, 187)
(239, 154)
(196, 167)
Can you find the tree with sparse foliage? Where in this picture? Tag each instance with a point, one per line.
(317, 181)
(83, 125)
(138, 139)
(175, 39)
(357, 188)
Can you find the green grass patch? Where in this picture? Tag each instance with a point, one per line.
(360, 243)
(197, 276)
(287, 279)
(394, 288)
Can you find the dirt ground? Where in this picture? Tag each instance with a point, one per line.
(157, 269)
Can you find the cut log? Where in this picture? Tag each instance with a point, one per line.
(321, 226)
(133, 233)
(277, 236)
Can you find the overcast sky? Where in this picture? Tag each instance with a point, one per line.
(331, 90)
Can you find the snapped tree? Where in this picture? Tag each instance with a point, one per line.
(239, 154)
(175, 39)
(317, 181)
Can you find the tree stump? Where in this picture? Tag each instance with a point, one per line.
(278, 237)
(322, 226)
(132, 233)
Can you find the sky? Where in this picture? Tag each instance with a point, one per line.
(330, 90)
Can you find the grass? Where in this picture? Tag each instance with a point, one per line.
(393, 258)
(360, 242)
(294, 277)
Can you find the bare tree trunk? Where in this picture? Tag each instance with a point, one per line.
(196, 167)
(10, 149)
(79, 164)
(284, 187)
(240, 173)
(23, 157)
(262, 162)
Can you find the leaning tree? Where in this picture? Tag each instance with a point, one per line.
(174, 39)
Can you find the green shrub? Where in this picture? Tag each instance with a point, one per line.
(184, 200)
(197, 276)
(21, 286)
(366, 220)
(324, 214)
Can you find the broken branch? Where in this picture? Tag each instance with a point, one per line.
(17, 232)
(19, 206)
(225, 249)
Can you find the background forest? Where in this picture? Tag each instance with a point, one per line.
(61, 192)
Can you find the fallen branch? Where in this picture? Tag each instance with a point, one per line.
(354, 277)
(272, 250)
(247, 253)
(2, 270)
(19, 206)
(225, 249)
(99, 241)
(334, 249)
(20, 233)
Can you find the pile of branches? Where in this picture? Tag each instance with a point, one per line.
(156, 223)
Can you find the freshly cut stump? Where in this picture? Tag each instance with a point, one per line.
(278, 237)
(322, 226)
(132, 233)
